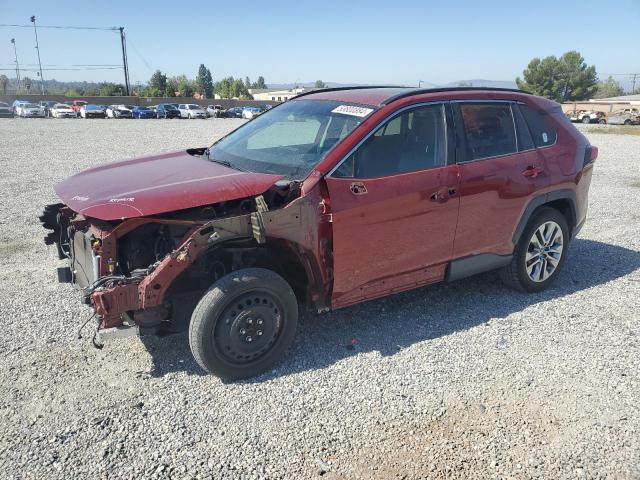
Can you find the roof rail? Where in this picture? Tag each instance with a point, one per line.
(409, 91)
(417, 91)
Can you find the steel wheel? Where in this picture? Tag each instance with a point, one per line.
(249, 327)
(544, 251)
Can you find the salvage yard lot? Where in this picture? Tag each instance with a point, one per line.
(463, 380)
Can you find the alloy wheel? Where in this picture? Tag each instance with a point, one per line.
(544, 251)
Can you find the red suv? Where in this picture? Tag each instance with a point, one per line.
(336, 197)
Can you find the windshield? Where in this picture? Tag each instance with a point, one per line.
(291, 139)
(193, 107)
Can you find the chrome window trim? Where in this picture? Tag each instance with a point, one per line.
(385, 121)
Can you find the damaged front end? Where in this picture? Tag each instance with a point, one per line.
(149, 272)
(125, 269)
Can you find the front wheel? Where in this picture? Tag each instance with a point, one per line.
(586, 119)
(540, 253)
(243, 324)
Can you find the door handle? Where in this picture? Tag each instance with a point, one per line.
(532, 171)
(358, 188)
(441, 196)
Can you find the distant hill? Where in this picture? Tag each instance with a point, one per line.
(476, 82)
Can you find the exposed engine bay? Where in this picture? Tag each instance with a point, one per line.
(149, 272)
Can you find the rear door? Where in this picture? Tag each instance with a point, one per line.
(500, 171)
(394, 207)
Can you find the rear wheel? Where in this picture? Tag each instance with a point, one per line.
(540, 253)
(602, 121)
(627, 122)
(243, 324)
(586, 119)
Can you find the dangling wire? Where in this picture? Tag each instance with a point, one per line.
(84, 324)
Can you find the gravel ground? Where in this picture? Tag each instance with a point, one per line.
(467, 380)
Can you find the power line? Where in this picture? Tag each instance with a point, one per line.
(61, 27)
(61, 69)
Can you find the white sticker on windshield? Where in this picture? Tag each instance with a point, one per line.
(352, 110)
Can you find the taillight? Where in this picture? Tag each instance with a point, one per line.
(590, 155)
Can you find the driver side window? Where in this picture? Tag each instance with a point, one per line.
(411, 141)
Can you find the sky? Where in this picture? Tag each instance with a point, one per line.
(346, 41)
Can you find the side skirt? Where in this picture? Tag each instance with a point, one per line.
(484, 262)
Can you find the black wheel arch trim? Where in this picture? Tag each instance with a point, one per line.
(564, 194)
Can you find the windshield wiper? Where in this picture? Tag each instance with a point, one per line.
(223, 162)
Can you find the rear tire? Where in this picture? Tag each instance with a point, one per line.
(243, 324)
(586, 119)
(540, 254)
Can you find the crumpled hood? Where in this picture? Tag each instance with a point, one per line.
(157, 184)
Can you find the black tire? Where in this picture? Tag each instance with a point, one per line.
(230, 315)
(602, 121)
(586, 119)
(627, 122)
(515, 274)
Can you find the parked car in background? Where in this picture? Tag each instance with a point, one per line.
(191, 110)
(46, 105)
(251, 112)
(227, 241)
(628, 116)
(76, 105)
(93, 111)
(118, 111)
(143, 112)
(167, 110)
(234, 112)
(587, 116)
(17, 103)
(153, 108)
(30, 110)
(62, 110)
(215, 111)
(6, 111)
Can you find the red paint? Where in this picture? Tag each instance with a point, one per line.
(386, 239)
(157, 184)
(357, 239)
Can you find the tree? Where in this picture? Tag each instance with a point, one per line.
(260, 83)
(247, 83)
(109, 89)
(4, 83)
(158, 81)
(233, 88)
(608, 88)
(561, 79)
(172, 87)
(320, 84)
(204, 81)
(185, 87)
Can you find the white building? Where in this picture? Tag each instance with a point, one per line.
(267, 95)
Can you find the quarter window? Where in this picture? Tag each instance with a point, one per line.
(414, 140)
(542, 132)
(489, 129)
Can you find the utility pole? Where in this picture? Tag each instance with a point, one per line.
(15, 53)
(125, 63)
(35, 30)
(633, 88)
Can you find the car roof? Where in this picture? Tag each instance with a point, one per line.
(383, 95)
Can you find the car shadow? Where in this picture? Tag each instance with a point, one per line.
(391, 324)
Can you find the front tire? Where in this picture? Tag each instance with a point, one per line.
(586, 119)
(540, 253)
(243, 324)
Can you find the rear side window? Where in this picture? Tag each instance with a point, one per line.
(489, 129)
(525, 142)
(541, 130)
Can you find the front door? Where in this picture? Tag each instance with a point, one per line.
(394, 204)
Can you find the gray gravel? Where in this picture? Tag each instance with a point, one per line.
(467, 380)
